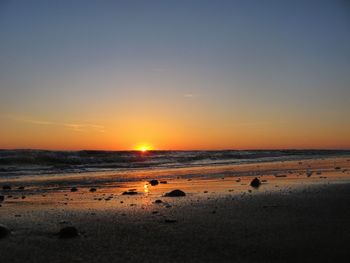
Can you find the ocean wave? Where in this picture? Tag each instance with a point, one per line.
(22, 162)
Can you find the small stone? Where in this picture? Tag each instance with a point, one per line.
(170, 220)
(175, 193)
(4, 231)
(158, 201)
(130, 193)
(21, 188)
(74, 189)
(92, 190)
(154, 182)
(255, 183)
(2, 198)
(163, 182)
(68, 232)
(6, 187)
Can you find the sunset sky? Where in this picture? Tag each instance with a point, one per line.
(186, 74)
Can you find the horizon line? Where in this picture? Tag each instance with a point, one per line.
(178, 150)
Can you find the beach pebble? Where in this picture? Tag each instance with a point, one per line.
(154, 182)
(74, 189)
(6, 187)
(92, 190)
(4, 231)
(21, 188)
(68, 232)
(163, 182)
(255, 182)
(2, 198)
(170, 220)
(158, 201)
(175, 193)
(129, 193)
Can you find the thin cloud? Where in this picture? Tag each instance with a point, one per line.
(78, 127)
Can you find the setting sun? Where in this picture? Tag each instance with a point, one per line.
(143, 148)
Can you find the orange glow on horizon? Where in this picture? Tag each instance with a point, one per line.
(144, 148)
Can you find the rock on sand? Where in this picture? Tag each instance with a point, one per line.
(68, 232)
(175, 193)
(154, 182)
(130, 193)
(255, 183)
(4, 231)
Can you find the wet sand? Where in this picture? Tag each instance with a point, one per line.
(292, 216)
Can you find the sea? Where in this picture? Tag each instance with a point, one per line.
(22, 163)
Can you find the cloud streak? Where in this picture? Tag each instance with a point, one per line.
(77, 127)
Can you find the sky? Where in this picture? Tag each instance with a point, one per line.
(181, 75)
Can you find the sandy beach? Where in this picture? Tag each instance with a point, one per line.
(300, 212)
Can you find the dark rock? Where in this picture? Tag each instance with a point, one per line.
(130, 193)
(2, 198)
(163, 182)
(337, 168)
(21, 188)
(158, 201)
(6, 187)
(92, 190)
(4, 231)
(255, 182)
(175, 193)
(154, 182)
(280, 175)
(68, 232)
(170, 220)
(74, 189)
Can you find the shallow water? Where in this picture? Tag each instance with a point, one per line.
(133, 165)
